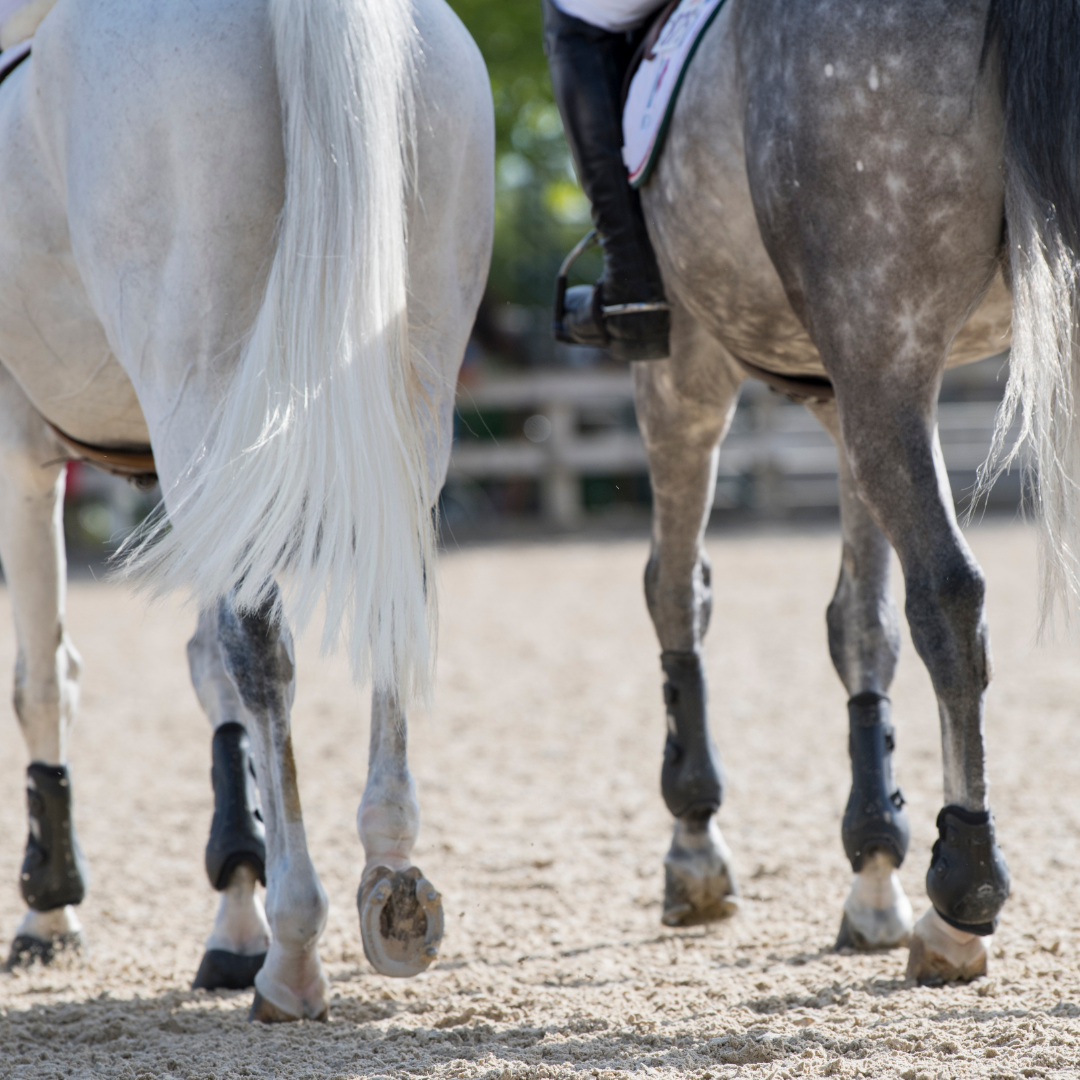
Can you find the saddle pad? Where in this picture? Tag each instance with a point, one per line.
(655, 85)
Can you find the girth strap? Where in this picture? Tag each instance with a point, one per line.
(130, 464)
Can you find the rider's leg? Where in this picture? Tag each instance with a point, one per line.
(47, 668)
(864, 641)
(683, 408)
(236, 850)
(588, 65)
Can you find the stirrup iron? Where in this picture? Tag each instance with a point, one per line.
(589, 240)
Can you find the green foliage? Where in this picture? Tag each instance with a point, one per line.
(540, 211)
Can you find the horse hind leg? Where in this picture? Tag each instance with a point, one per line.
(257, 651)
(684, 405)
(236, 849)
(864, 642)
(897, 458)
(54, 872)
(401, 916)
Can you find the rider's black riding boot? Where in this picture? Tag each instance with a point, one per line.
(588, 66)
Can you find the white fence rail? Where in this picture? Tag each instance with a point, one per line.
(776, 457)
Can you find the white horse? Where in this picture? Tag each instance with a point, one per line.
(249, 238)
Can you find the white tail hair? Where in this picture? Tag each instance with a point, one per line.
(314, 471)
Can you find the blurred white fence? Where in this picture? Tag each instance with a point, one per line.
(775, 458)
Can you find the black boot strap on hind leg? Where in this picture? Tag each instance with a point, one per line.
(968, 881)
(875, 818)
(236, 833)
(691, 779)
(54, 871)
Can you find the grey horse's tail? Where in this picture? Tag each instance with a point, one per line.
(1036, 44)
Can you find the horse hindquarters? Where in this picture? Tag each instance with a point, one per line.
(47, 670)
(898, 161)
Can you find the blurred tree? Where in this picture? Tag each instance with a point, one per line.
(540, 211)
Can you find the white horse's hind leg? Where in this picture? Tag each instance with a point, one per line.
(684, 405)
(47, 669)
(864, 641)
(236, 852)
(401, 919)
(258, 655)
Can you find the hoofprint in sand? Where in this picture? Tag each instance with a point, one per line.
(542, 818)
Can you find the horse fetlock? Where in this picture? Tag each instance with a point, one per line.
(290, 985)
(237, 834)
(44, 935)
(401, 920)
(875, 819)
(699, 882)
(388, 822)
(297, 915)
(877, 912)
(968, 881)
(54, 871)
(241, 926)
(690, 779)
(941, 953)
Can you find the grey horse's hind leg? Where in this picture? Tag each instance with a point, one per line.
(53, 875)
(684, 405)
(257, 652)
(864, 641)
(236, 851)
(891, 439)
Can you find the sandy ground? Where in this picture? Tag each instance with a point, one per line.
(543, 825)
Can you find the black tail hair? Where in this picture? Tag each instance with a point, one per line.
(1037, 46)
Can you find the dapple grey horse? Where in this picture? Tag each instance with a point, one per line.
(833, 213)
(249, 239)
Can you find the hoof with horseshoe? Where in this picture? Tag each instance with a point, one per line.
(401, 921)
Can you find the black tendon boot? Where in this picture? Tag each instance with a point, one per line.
(625, 310)
(54, 870)
(690, 779)
(237, 833)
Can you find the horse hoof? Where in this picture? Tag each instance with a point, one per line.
(691, 900)
(942, 954)
(877, 912)
(401, 921)
(699, 886)
(222, 970)
(890, 934)
(27, 950)
(265, 1012)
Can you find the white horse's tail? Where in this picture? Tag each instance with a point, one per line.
(1036, 46)
(314, 471)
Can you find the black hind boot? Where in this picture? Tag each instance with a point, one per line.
(237, 835)
(236, 832)
(626, 310)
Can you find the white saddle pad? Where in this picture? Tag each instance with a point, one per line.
(655, 85)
